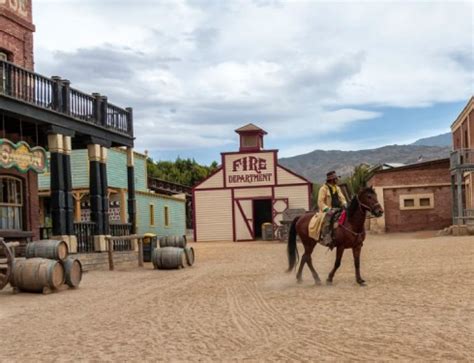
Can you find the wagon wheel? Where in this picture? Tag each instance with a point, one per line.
(6, 264)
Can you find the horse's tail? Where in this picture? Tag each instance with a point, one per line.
(292, 249)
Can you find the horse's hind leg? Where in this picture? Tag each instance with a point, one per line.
(299, 275)
(339, 253)
(316, 278)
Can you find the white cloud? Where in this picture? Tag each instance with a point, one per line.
(196, 70)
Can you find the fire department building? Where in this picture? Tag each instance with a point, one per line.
(249, 189)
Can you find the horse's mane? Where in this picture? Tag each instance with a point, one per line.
(354, 204)
(352, 207)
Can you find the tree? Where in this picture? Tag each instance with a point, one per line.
(359, 178)
(182, 171)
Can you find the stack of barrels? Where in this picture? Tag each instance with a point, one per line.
(46, 268)
(173, 253)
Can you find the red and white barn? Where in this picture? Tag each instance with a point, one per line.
(249, 188)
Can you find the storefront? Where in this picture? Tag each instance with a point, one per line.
(39, 113)
(249, 189)
(159, 214)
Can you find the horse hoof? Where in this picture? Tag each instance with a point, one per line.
(318, 283)
(299, 281)
(361, 283)
(329, 282)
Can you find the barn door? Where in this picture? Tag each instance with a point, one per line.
(244, 219)
(280, 205)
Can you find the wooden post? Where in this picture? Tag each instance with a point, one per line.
(140, 252)
(111, 252)
(460, 197)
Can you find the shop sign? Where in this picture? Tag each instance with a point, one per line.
(244, 170)
(20, 7)
(22, 157)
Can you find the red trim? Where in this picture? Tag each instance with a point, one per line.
(194, 216)
(255, 152)
(294, 174)
(234, 232)
(224, 175)
(209, 177)
(256, 187)
(254, 198)
(242, 213)
(275, 166)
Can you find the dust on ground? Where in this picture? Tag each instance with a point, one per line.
(237, 303)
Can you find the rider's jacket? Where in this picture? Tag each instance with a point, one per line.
(330, 196)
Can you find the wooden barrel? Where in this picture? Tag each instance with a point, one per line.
(36, 274)
(173, 241)
(168, 258)
(189, 252)
(47, 248)
(73, 271)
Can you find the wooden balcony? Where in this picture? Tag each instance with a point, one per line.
(462, 160)
(53, 101)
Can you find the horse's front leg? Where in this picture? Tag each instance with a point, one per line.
(339, 253)
(356, 253)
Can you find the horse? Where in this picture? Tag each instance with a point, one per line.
(351, 234)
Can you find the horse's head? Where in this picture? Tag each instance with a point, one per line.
(368, 201)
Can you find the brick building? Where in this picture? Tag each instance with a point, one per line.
(462, 165)
(16, 32)
(40, 114)
(415, 197)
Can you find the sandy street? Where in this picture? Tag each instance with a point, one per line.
(237, 303)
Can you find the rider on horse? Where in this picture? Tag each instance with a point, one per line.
(330, 195)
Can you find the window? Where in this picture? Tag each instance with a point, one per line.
(249, 141)
(3, 56)
(11, 203)
(417, 201)
(152, 215)
(407, 203)
(425, 202)
(166, 213)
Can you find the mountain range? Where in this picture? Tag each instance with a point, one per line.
(317, 163)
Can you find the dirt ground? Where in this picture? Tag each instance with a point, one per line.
(237, 303)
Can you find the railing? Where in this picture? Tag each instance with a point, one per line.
(462, 158)
(166, 187)
(122, 229)
(57, 95)
(113, 242)
(85, 236)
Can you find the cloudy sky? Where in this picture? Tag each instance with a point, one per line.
(314, 74)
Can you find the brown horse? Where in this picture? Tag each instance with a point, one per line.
(351, 234)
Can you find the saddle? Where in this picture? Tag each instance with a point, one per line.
(322, 225)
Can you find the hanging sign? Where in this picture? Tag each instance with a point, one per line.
(22, 157)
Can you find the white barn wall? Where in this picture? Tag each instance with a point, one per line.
(297, 195)
(215, 181)
(253, 192)
(285, 177)
(213, 217)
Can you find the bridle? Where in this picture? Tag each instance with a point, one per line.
(365, 208)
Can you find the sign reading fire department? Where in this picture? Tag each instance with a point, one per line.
(244, 170)
(22, 157)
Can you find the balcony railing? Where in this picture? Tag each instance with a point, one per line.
(462, 158)
(55, 94)
(84, 232)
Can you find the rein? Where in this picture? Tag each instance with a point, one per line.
(363, 208)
